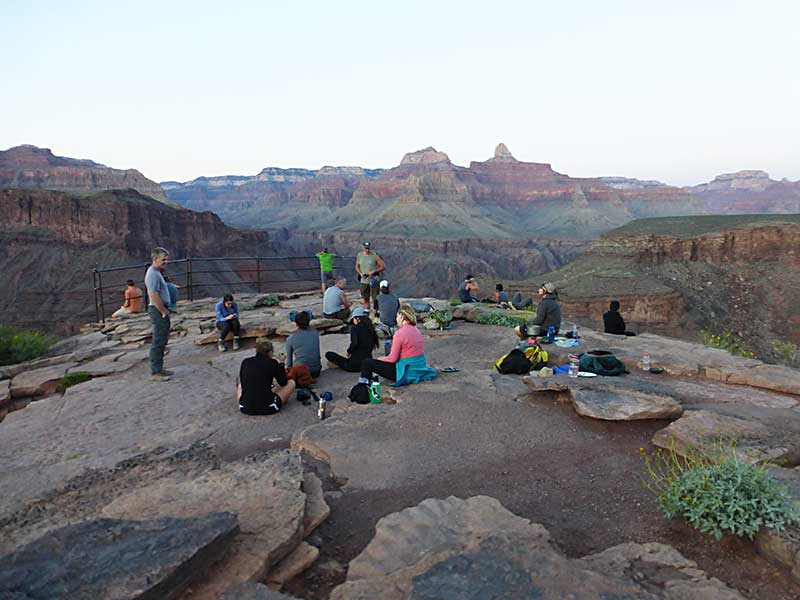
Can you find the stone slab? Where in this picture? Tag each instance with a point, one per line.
(253, 591)
(317, 510)
(612, 404)
(321, 324)
(290, 567)
(545, 384)
(10, 371)
(247, 332)
(110, 558)
(267, 496)
(39, 382)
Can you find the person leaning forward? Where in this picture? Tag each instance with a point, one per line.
(158, 300)
(335, 304)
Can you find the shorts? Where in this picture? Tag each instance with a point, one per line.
(263, 409)
(368, 292)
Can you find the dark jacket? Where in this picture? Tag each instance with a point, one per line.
(256, 376)
(360, 343)
(613, 322)
(548, 313)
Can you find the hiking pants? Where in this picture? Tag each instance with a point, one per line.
(161, 327)
(351, 364)
(381, 367)
(227, 326)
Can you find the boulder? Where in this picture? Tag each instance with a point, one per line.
(321, 324)
(290, 567)
(107, 365)
(39, 382)
(545, 384)
(110, 558)
(781, 548)
(267, 496)
(252, 591)
(317, 510)
(11, 371)
(769, 377)
(475, 549)
(611, 404)
(5, 394)
(249, 331)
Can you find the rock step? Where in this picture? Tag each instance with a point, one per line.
(300, 559)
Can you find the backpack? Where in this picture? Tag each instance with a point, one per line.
(359, 394)
(521, 363)
(301, 375)
(602, 363)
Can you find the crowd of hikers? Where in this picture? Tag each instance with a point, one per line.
(265, 382)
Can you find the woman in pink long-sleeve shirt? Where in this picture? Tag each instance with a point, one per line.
(406, 362)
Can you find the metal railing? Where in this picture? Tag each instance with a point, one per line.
(200, 277)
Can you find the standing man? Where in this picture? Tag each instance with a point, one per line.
(368, 266)
(158, 297)
(325, 267)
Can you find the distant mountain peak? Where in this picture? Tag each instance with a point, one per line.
(426, 156)
(502, 154)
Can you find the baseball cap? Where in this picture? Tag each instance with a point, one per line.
(549, 287)
(358, 312)
(385, 283)
(366, 244)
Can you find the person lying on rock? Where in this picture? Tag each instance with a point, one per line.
(227, 321)
(520, 303)
(613, 321)
(255, 391)
(302, 347)
(406, 363)
(363, 340)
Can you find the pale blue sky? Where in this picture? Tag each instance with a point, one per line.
(677, 91)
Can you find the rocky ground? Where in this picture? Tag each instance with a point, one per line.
(535, 481)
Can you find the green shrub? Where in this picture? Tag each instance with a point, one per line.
(786, 353)
(502, 319)
(454, 301)
(18, 346)
(728, 340)
(74, 378)
(718, 494)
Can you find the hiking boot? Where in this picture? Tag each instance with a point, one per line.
(236, 343)
(221, 346)
(159, 377)
(167, 372)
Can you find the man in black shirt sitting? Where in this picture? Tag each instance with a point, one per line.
(255, 393)
(613, 321)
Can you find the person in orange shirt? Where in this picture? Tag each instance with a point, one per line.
(134, 301)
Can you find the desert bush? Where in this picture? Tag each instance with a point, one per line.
(73, 378)
(786, 353)
(18, 346)
(502, 319)
(717, 493)
(454, 301)
(728, 340)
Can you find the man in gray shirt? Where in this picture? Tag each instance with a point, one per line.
(335, 304)
(302, 347)
(158, 300)
(388, 303)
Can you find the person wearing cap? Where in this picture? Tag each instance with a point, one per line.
(363, 340)
(134, 300)
(548, 312)
(325, 267)
(335, 304)
(466, 288)
(388, 303)
(302, 347)
(368, 266)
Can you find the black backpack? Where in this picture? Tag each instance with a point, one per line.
(359, 394)
(515, 362)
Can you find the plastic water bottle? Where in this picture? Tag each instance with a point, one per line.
(573, 366)
(575, 331)
(646, 361)
(322, 411)
(375, 390)
(387, 347)
(551, 334)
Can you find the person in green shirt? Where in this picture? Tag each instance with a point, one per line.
(325, 267)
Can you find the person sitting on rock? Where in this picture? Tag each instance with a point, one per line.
(255, 391)
(520, 303)
(363, 340)
(548, 312)
(613, 321)
(227, 321)
(335, 304)
(466, 288)
(302, 347)
(134, 301)
(406, 362)
(500, 297)
(388, 304)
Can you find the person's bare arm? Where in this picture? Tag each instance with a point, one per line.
(381, 266)
(158, 303)
(345, 301)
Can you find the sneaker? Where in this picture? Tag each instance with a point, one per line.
(167, 372)
(236, 343)
(221, 346)
(159, 377)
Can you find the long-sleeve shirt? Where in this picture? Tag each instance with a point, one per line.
(223, 311)
(548, 313)
(302, 348)
(407, 342)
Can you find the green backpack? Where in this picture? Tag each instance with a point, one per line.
(602, 363)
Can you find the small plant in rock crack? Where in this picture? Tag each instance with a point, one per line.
(728, 340)
(504, 320)
(718, 493)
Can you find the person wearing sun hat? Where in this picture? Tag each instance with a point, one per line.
(368, 266)
(548, 312)
(363, 340)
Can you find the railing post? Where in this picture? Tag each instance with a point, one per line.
(189, 281)
(102, 303)
(258, 274)
(96, 305)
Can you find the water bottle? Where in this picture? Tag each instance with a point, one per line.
(551, 334)
(375, 390)
(573, 366)
(575, 331)
(322, 410)
(646, 361)
(387, 347)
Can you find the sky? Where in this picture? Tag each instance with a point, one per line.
(676, 91)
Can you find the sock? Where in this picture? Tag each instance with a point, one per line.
(363, 380)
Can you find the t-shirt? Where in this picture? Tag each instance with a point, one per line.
(332, 300)
(367, 263)
(325, 261)
(256, 375)
(134, 299)
(502, 297)
(302, 348)
(154, 282)
(463, 293)
(387, 306)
